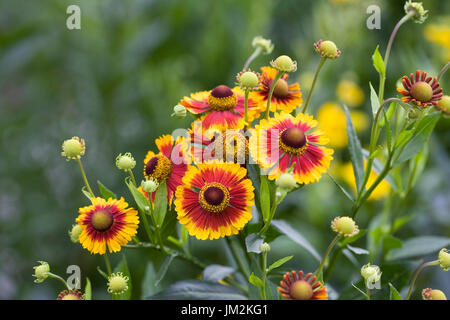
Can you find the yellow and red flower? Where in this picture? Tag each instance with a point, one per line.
(70, 295)
(296, 287)
(107, 223)
(419, 90)
(215, 200)
(221, 107)
(285, 141)
(170, 164)
(285, 97)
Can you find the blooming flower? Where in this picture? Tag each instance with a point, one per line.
(285, 97)
(222, 107)
(345, 226)
(215, 200)
(107, 223)
(70, 295)
(285, 141)
(169, 164)
(350, 93)
(296, 287)
(418, 89)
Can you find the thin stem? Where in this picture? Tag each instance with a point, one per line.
(55, 276)
(146, 226)
(86, 183)
(251, 58)
(264, 275)
(416, 274)
(107, 263)
(236, 258)
(272, 87)
(443, 70)
(246, 109)
(130, 172)
(322, 61)
(368, 292)
(322, 263)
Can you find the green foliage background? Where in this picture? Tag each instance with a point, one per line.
(115, 81)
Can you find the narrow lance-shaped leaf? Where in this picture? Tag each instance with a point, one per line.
(279, 263)
(160, 204)
(374, 101)
(356, 154)
(105, 192)
(265, 198)
(378, 62)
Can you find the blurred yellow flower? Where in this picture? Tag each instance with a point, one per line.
(332, 120)
(346, 173)
(350, 93)
(440, 35)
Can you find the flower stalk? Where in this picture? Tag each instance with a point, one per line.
(316, 75)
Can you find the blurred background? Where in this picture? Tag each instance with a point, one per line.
(115, 82)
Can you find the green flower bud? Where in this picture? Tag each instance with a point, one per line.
(444, 104)
(179, 111)
(371, 273)
(344, 226)
(265, 45)
(125, 162)
(444, 259)
(248, 80)
(433, 294)
(75, 233)
(117, 283)
(264, 247)
(73, 148)
(150, 185)
(41, 271)
(327, 49)
(284, 64)
(420, 14)
(286, 182)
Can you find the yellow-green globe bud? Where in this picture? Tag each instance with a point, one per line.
(444, 259)
(345, 226)
(117, 283)
(41, 271)
(327, 49)
(444, 104)
(371, 272)
(286, 182)
(264, 247)
(284, 64)
(73, 148)
(413, 113)
(125, 162)
(179, 111)
(150, 185)
(75, 232)
(265, 45)
(433, 294)
(420, 14)
(248, 80)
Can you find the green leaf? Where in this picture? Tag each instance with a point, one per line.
(86, 193)
(88, 290)
(141, 201)
(418, 246)
(253, 172)
(390, 242)
(352, 239)
(105, 192)
(394, 294)
(102, 273)
(254, 280)
(419, 138)
(279, 263)
(216, 272)
(345, 192)
(356, 250)
(164, 267)
(374, 101)
(354, 147)
(295, 236)
(265, 198)
(403, 138)
(378, 63)
(400, 222)
(378, 168)
(160, 204)
(149, 282)
(198, 290)
(123, 267)
(253, 242)
(417, 165)
(362, 292)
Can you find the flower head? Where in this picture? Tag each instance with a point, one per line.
(41, 271)
(444, 104)
(419, 90)
(285, 98)
(215, 200)
(284, 63)
(444, 259)
(286, 182)
(345, 226)
(117, 283)
(221, 107)
(179, 111)
(70, 295)
(107, 224)
(420, 14)
(296, 287)
(433, 294)
(150, 185)
(327, 49)
(265, 45)
(75, 232)
(73, 148)
(371, 273)
(125, 162)
(248, 80)
(283, 142)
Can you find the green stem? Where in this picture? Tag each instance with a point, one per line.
(321, 63)
(246, 109)
(368, 292)
(107, 263)
(272, 87)
(130, 172)
(322, 263)
(86, 183)
(416, 274)
(236, 258)
(443, 70)
(55, 276)
(264, 275)
(251, 58)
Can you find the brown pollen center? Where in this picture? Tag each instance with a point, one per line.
(102, 220)
(301, 290)
(214, 197)
(281, 89)
(293, 137)
(422, 91)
